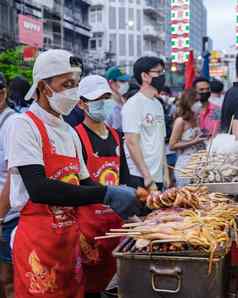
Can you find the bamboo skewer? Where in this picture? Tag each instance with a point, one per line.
(211, 142)
(124, 233)
(178, 170)
(231, 124)
(107, 237)
(133, 225)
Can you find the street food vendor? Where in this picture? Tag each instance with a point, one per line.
(101, 152)
(49, 180)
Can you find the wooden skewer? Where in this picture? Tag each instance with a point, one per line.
(184, 173)
(124, 234)
(120, 230)
(117, 235)
(133, 225)
(178, 170)
(107, 237)
(230, 128)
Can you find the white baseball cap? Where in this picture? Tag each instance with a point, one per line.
(50, 64)
(93, 87)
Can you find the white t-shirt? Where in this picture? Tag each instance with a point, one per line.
(145, 116)
(216, 100)
(4, 129)
(6, 118)
(26, 148)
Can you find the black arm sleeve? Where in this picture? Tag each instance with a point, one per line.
(43, 190)
(124, 171)
(89, 182)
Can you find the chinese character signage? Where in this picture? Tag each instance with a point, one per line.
(180, 29)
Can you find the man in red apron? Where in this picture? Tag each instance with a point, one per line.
(101, 151)
(49, 180)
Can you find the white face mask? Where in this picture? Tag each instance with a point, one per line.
(165, 98)
(123, 88)
(65, 101)
(196, 107)
(96, 111)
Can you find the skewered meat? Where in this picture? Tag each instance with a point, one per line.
(186, 197)
(207, 228)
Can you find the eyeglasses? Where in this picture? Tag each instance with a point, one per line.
(158, 72)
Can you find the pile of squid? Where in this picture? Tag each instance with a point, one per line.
(205, 223)
(212, 168)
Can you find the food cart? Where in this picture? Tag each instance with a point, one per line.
(182, 249)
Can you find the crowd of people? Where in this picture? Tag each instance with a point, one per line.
(73, 151)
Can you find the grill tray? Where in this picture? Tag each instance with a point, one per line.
(170, 275)
(127, 249)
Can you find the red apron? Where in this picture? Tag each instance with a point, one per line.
(47, 262)
(99, 265)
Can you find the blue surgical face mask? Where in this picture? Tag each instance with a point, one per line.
(109, 105)
(123, 88)
(96, 111)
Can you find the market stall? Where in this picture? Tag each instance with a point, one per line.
(181, 249)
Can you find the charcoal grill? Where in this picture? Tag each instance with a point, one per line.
(169, 275)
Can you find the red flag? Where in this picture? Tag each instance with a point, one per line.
(190, 71)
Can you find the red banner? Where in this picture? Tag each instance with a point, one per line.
(29, 53)
(30, 31)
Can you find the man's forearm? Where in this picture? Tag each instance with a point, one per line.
(138, 158)
(235, 128)
(5, 198)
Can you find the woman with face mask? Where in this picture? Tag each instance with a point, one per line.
(186, 137)
(101, 150)
(49, 180)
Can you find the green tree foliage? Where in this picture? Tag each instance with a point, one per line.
(12, 64)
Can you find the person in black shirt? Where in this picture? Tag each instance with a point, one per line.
(101, 147)
(230, 106)
(75, 117)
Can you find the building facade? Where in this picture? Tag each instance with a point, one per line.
(7, 23)
(167, 11)
(72, 30)
(236, 21)
(154, 27)
(65, 22)
(198, 25)
(124, 30)
(188, 27)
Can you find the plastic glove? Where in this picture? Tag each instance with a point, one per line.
(123, 201)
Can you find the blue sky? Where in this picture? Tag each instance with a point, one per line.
(221, 22)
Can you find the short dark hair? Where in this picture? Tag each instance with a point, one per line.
(144, 64)
(216, 86)
(200, 80)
